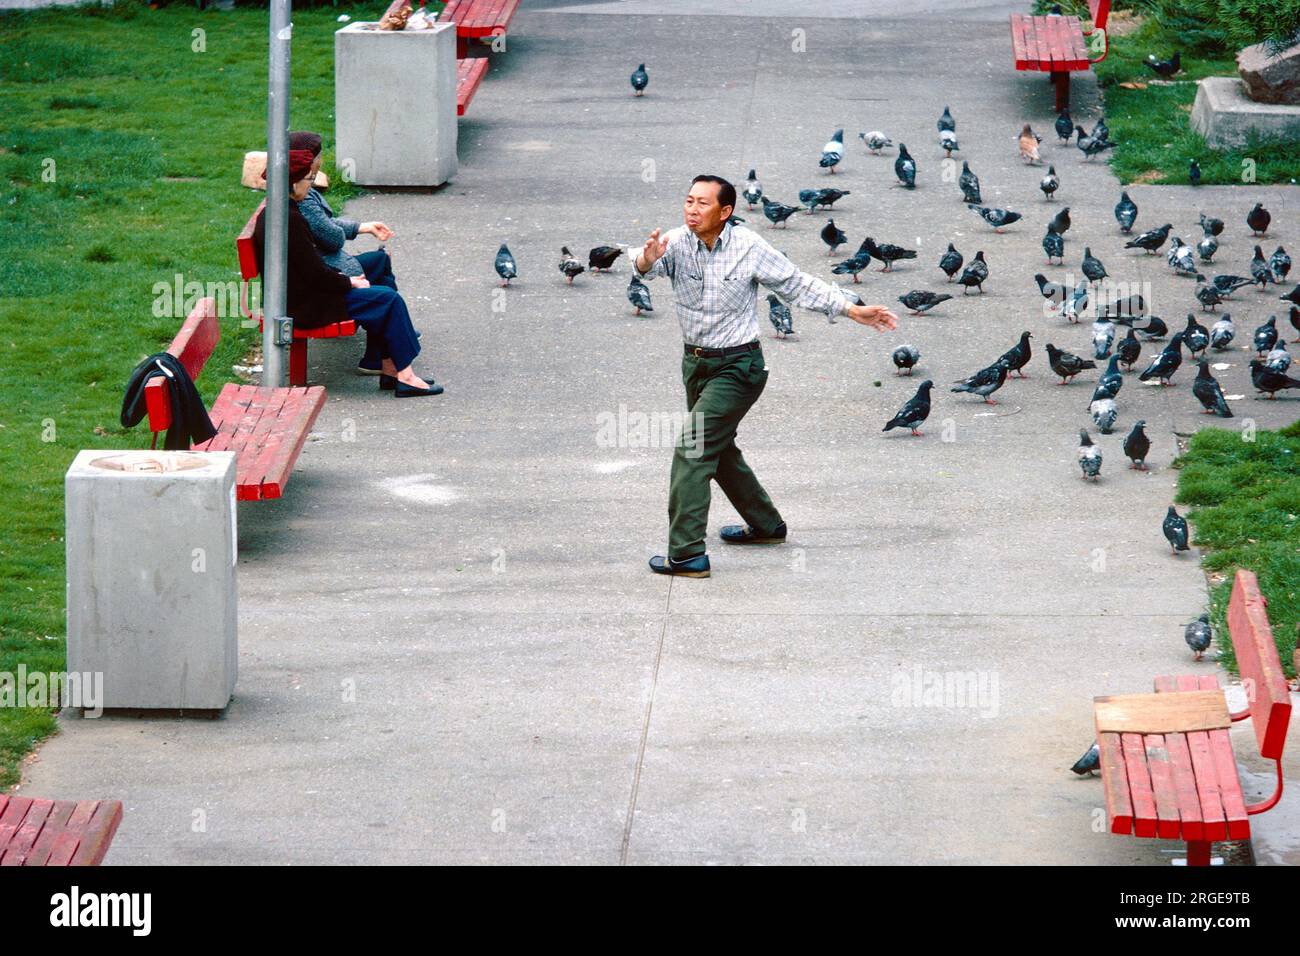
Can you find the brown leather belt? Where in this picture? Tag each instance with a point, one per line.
(698, 352)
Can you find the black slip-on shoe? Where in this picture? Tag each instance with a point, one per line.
(696, 567)
(402, 390)
(744, 534)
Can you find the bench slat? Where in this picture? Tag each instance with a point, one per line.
(55, 824)
(14, 851)
(1162, 785)
(98, 834)
(1139, 785)
(266, 428)
(1184, 781)
(469, 74)
(1234, 804)
(1115, 782)
(1258, 660)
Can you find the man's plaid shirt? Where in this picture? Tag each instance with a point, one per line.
(717, 291)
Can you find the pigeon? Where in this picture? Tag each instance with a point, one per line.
(1194, 173)
(914, 411)
(1207, 294)
(1259, 270)
(1207, 247)
(570, 266)
(1180, 258)
(1294, 318)
(1103, 337)
(640, 80)
(1090, 762)
(1258, 220)
(997, 218)
(1268, 381)
(1104, 413)
(1064, 126)
(601, 258)
(1126, 213)
(777, 212)
(1111, 380)
(1222, 333)
(833, 151)
(969, 184)
(1101, 131)
(1165, 68)
(1207, 391)
(886, 253)
(1053, 292)
(950, 262)
(1279, 359)
(1164, 365)
(735, 220)
(828, 196)
(1198, 635)
(905, 357)
(875, 141)
(1129, 349)
(857, 263)
(833, 236)
(1175, 528)
(1196, 336)
(1050, 183)
(1066, 364)
(1279, 263)
(1092, 267)
(1226, 285)
(1122, 311)
(780, 315)
(1266, 336)
(1089, 456)
(809, 198)
(975, 274)
(1151, 240)
(505, 265)
(1017, 357)
(1054, 246)
(1155, 329)
(1211, 226)
(1293, 296)
(753, 191)
(1028, 142)
(905, 167)
(1137, 445)
(984, 382)
(638, 293)
(920, 301)
(946, 122)
(948, 142)
(1090, 146)
(1060, 223)
(1077, 302)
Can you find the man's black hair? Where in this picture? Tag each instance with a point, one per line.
(726, 191)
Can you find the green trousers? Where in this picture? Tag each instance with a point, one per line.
(719, 391)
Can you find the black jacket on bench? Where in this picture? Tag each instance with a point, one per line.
(190, 421)
(315, 294)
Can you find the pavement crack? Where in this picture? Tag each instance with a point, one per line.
(645, 728)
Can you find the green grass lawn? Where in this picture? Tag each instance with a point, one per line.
(1245, 497)
(1152, 126)
(144, 138)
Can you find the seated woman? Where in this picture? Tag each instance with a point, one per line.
(317, 295)
(330, 232)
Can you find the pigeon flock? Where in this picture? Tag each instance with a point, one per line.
(1125, 338)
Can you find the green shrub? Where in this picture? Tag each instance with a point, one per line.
(1228, 25)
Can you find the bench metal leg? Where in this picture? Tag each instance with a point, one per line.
(298, 362)
(462, 47)
(1198, 852)
(1061, 80)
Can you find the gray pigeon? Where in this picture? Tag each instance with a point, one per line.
(1050, 183)
(1092, 266)
(1175, 529)
(1066, 364)
(1126, 213)
(950, 262)
(1222, 333)
(1090, 762)
(875, 141)
(915, 411)
(1137, 446)
(505, 265)
(1054, 246)
(640, 80)
(905, 358)
(1104, 413)
(921, 301)
(1208, 393)
(1198, 635)
(1089, 456)
(984, 382)
(997, 218)
(570, 266)
(753, 190)
(1265, 337)
(833, 236)
(780, 315)
(833, 151)
(969, 184)
(638, 293)
(905, 167)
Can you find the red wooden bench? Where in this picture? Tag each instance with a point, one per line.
(1184, 785)
(37, 832)
(469, 74)
(478, 20)
(298, 347)
(1057, 45)
(265, 427)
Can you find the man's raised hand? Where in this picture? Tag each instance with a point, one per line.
(877, 316)
(653, 250)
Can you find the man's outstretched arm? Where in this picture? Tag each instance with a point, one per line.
(783, 277)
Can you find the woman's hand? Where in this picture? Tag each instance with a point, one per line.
(877, 316)
(377, 229)
(359, 282)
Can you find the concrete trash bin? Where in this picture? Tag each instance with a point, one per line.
(152, 601)
(395, 104)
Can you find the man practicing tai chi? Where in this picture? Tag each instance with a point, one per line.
(715, 269)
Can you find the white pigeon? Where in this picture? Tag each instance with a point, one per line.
(1279, 360)
(875, 141)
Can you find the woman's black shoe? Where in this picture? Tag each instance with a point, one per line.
(402, 390)
(387, 382)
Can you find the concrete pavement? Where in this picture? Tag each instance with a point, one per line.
(451, 649)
